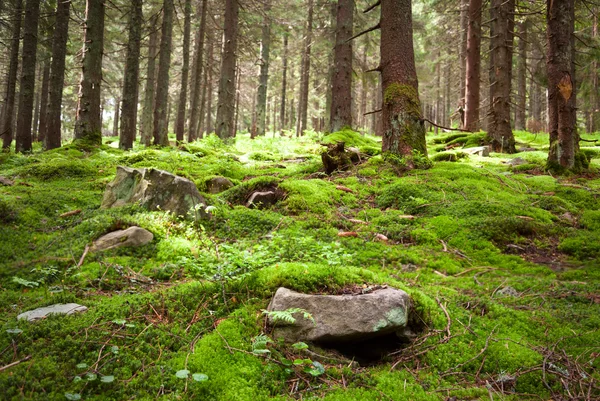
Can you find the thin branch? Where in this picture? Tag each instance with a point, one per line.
(373, 28)
(15, 363)
(372, 6)
(379, 111)
(442, 127)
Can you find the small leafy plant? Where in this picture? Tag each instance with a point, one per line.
(287, 316)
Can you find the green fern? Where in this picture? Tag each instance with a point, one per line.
(259, 344)
(287, 316)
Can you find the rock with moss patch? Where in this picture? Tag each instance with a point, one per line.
(217, 185)
(133, 236)
(56, 309)
(483, 151)
(341, 318)
(155, 190)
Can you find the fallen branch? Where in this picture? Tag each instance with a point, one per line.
(442, 127)
(15, 363)
(374, 111)
(85, 252)
(447, 329)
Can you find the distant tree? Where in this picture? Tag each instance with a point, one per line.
(305, 72)
(473, 68)
(521, 103)
(130, 92)
(52, 136)
(11, 78)
(43, 104)
(185, 69)
(284, 79)
(197, 69)
(88, 122)
(147, 120)
(265, 48)
(227, 88)
(341, 100)
(161, 121)
(24, 136)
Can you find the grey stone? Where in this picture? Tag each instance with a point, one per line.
(218, 184)
(155, 190)
(517, 161)
(343, 318)
(508, 292)
(132, 236)
(263, 199)
(483, 151)
(57, 309)
(6, 181)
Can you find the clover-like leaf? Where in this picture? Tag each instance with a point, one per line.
(182, 374)
(200, 377)
(73, 396)
(107, 379)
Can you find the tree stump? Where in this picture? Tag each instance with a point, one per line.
(337, 158)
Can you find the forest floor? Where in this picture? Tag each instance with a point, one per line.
(502, 262)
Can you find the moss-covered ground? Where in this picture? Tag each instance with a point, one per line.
(502, 261)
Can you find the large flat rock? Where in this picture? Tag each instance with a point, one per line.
(155, 190)
(132, 236)
(343, 318)
(57, 309)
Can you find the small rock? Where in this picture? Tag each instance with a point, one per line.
(508, 292)
(568, 217)
(344, 318)
(527, 149)
(260, 200)
(133, 236)
(483, 151)
(218, 184)
(517, 161)
(6, 181)
(57, 309)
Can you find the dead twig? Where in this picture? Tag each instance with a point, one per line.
(15, 363)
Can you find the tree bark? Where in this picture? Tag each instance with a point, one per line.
(52, 136)
(595, 98)
(561, 105)
(43, 112)
(226, 101)
(11, 79)
(130, 94)
(24, 138)
(403, 127)
(147, 122)
(209, 83)
(284, 79)
(88, 123)
(341, 100)
(115, 130)
(464, 26)
(501, 44)
(520, 114)
(160, 132)
(473, 68)
(195, 101)
(185, 70)
(305, 76)
(261, 96)
(331, 32)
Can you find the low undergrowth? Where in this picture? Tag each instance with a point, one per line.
(501, 260)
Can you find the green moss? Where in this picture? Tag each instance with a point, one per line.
(351, 139)
(59, 168)
(396, 93)
(314, 196)
(241, 192)
(449, 156)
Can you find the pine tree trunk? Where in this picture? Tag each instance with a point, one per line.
(11, 79)
(147, 121)
(520, 114)
(595, 98)
(331, 37)
(261, 96)
(341, 101)
(209, 85)
(464, 26)
(185, 69)
(43, 107)
(238, 81)
(88, 123)
(115, 130)
(24, 139)
(473, 69)
(284, 79)
(160, 133)
(52, 135)
(501, 44)
(561, 105)
(194, 129)
(362, 119)
(305, 76)
(131, 77)
(227, 88)
(403, 128)
(36, 113)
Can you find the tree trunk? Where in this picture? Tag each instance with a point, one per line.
(520, 114)
(185, 69)
(36, 113)
(341, 100)
(331, 38)
(52, 136)
(11, 79)
(473, 69)
(501, 44)
(261, 95)
(147, 122)
(403, 128)
(464, 26)
(115, 130)
(561, 105)
(209, 85)
(595, 98)
(362, 119)
(284, 79)
(131, 77)
(23, 142)
(305, 76)
(160, 132)
(43, 111)
(226, 101)
(88, 122)
(194, 129)
(238, 81)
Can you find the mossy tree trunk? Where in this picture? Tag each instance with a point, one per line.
(185, 70)
(284, 79)
(301, 123)
(131, 77)
(88, 122)
(561, 102)
(160, 133)
(261, 95)
(11, 79)
(521, 111)
(341, 99)
(501, 44)
(403, 127)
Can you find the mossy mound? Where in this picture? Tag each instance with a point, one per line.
(351, 139)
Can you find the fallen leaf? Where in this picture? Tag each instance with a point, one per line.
(356, 221)
(348, 234)
(71, 213)
(343, 188)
